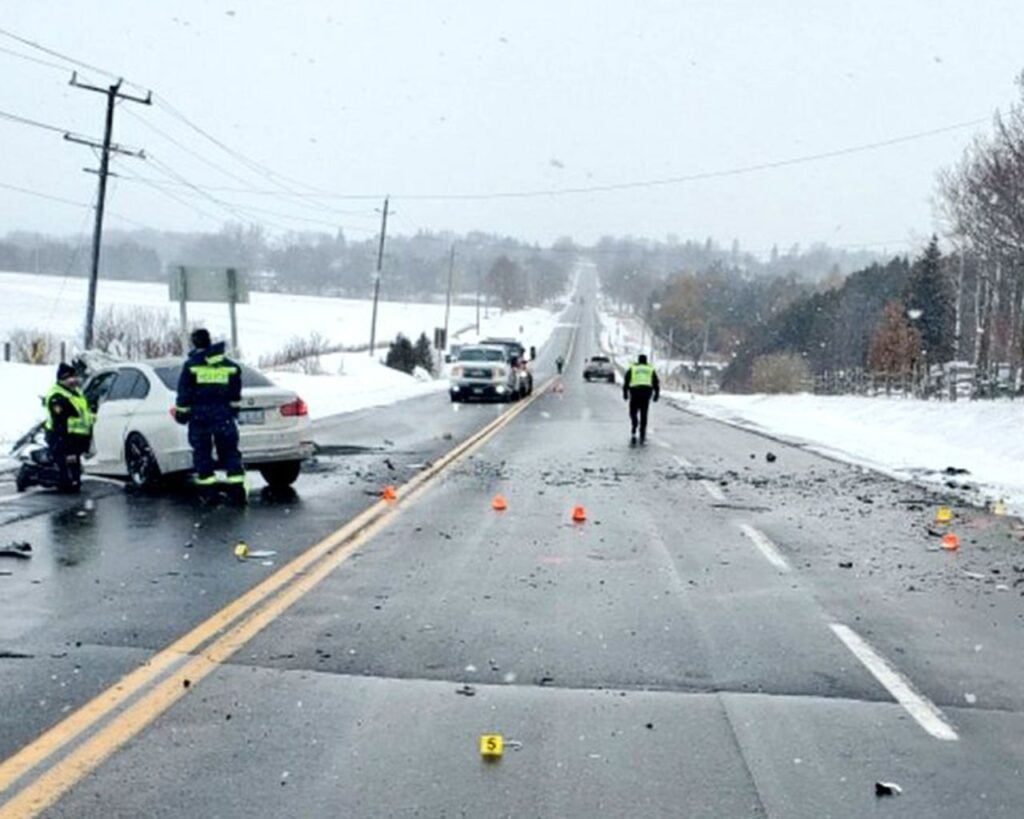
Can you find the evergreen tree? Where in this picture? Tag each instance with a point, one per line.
(930, 292)
(401, 355)
(423, 354)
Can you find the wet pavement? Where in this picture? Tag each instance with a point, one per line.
(685, 651)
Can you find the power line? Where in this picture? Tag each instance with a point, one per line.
(34, 123)
(59, 55)
(41, 195)
(694, 177)
(31, 59)
(252, 164)
(52, 198)
(237, 210)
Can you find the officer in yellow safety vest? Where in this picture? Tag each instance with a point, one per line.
(69, 422)
(639, 386)
(209, 397)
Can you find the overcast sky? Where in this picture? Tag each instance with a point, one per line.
(471, 97)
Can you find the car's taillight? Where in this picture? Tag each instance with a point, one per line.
(296, 407)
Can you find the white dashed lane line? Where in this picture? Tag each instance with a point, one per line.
(709, 486)
(923, 710)
(767, 548)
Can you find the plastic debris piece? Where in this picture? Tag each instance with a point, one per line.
(770, 457)
(499, 504)
(887, 789)
(389, 493)
(950, 542)
(845, 564)
(261, 553)
(18, 548)
(466, 691)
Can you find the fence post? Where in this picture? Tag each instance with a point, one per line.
(7, 351)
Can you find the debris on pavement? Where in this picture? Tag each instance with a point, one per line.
(18, 548)
(466, 691)
(242, 550)
(887, 789)
(845, 564)
(770, 457)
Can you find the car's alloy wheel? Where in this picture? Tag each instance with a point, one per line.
(139, 458)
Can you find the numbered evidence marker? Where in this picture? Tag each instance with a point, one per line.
(492, 746)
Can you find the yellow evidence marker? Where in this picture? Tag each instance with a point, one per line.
(492, 746)
(242, 550)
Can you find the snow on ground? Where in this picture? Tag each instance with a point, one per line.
(57, 305)
(905, 438)
(24, 386)
(349, 381)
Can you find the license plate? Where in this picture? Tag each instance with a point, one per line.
(477, 390)
(252, 416)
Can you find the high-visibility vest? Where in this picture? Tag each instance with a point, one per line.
(215, 371)
(641, 375)
(78, 424)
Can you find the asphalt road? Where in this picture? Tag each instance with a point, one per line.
(724, 636)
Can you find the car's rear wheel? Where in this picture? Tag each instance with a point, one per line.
(281, 475)
(140, 461)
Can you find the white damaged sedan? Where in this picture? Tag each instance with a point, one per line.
(136, 436)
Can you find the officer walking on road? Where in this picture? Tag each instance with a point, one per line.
(209, 397)
(69, 423)
(560, 363)
(638, 387)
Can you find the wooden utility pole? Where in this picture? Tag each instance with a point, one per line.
(376, 277)
(106, 147)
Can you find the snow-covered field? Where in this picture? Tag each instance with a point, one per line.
(906, 438)
(349, 381)
(57, 305)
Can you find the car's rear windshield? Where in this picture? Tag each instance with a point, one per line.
(170, 374)
(481, 355)
(599, 359)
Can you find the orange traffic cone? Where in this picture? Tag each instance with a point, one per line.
(950, 542)
(499, 504)
(579, 514)
(389, 493)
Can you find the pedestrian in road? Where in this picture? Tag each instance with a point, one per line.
(639, 386)
(209, 397)
(69, 423)
(560, 363)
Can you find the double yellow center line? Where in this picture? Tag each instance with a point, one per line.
(122, 711)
